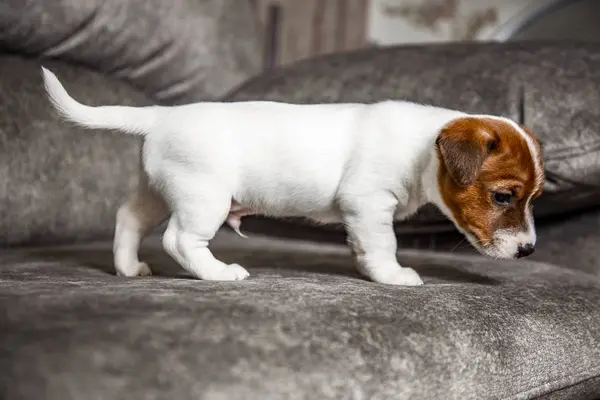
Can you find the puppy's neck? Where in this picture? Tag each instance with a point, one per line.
(430, 183)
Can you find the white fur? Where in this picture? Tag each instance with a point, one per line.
(359, 164)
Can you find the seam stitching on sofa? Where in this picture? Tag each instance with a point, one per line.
(590, 373)
(521, 105)
(567, 387)
(72, 35)
(570, 151)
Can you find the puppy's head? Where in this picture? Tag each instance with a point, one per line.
(490, 172)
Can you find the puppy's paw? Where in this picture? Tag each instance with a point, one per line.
(397, 276)
(238, 271)
(140, 269)
(231, 272)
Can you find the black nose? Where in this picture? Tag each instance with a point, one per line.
(525, 250)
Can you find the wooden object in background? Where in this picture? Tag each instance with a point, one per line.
(295, 29)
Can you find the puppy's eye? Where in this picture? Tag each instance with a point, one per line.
(502, 198)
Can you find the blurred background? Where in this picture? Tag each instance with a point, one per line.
(293, 29)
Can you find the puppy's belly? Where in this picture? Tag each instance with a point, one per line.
(238, 211)
(289, 192)
(322, 210)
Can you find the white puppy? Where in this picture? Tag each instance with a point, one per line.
(361, 164)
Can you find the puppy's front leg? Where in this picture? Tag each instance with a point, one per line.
(371, 237)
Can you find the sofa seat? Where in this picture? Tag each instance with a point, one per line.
(304, 325)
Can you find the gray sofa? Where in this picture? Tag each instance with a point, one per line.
(305, 325)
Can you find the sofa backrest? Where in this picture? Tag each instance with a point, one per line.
(174, 51)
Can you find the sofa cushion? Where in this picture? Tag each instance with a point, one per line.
(547, 86)
(176, 51)
(304, 325)
(60, 183)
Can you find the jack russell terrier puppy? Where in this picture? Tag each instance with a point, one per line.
(364, 165)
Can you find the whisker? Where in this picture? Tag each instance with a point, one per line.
(458, 244)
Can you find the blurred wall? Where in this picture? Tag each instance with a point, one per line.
(297, 29)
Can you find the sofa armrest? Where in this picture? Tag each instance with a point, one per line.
(60, 183)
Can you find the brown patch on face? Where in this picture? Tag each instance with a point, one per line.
(479, 159)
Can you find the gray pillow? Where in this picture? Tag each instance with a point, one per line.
(175, 51)
(58, 182)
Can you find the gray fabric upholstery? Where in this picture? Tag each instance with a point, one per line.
(60, 183)
(304, 325)
(546, 86)
(175, 51)
(570, 241)
(590, 389)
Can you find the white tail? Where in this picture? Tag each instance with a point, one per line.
(132, 120)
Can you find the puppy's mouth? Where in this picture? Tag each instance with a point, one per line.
(487, 247)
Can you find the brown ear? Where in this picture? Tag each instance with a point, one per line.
(464, 145)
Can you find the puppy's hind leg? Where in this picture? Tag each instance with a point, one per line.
(198, 212)
(135, 219)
